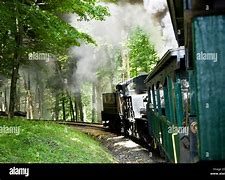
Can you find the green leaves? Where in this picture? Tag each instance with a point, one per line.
(52, 33)
(142, 54)
(42, 29)
(85, 9)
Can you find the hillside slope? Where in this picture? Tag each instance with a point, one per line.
(23, 141)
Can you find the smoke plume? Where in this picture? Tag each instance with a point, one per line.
(152, 16)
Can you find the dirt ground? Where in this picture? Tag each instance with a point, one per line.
(123, 149)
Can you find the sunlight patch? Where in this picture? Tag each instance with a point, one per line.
(117, 137)
(128, 144)
(77, 140)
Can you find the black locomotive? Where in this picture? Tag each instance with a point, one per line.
(124, 110)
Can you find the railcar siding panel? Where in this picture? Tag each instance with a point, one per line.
(209, 56)
(179, 101)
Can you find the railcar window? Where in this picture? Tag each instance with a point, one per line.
(170, 99)
(153, 96)
(173, 102)
(185, 97)
(162, 100)
(166, 100)
(104, 99)
(109, 98)
(156, 101)
(159, 98)
(150, 103)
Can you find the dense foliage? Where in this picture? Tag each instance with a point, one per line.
(41, 27)
(142, 54)
(28, 26)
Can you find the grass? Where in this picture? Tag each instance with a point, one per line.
(47, 142)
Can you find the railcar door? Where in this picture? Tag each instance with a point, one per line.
(209, 57)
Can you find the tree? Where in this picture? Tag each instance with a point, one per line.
(35, 26)
(141, 52)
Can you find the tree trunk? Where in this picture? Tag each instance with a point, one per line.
(125, 65)
(30, 99)
(64, 111)
(56, 109)
(93, 117)
(39, 97)
(63, 107)
(16, 63)
(25, 104)
(98, 101)
(40, 101)
(71, 110)
(18, 100)
(6, 103)
(80, 105)
(81, 108)
(14, 78)
(1, 102)
(76, 109)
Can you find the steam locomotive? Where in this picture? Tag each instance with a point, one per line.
(179, 106)
(124, 111)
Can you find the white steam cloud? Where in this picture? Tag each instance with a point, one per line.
(153, 17)
(160, 16)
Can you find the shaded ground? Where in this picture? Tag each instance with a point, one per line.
(123, 149)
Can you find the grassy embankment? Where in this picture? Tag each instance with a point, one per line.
(47, 142)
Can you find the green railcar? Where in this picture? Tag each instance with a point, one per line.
(167, 106)
(193, 87)
(209, 70)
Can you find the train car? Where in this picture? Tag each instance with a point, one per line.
(124, 110)
(186, 100)
(204, 22)
(111, 111)
(167, 106)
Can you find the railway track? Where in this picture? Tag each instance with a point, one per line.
(70, 123)
(83, 124)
